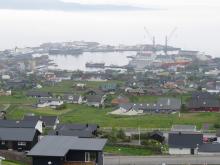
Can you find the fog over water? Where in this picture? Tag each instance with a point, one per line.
(198, 29)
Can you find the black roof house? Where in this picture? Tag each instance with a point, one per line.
(203, 101)
(48, 121)
(39, 94)
(21, 124)
(60, 150)
(184, 140)
(18, 138)
(78, 130)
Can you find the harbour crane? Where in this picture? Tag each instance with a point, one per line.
(168, 38)
(152, 38)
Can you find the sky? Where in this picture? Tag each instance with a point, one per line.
(32, 22)
(147, 3)
(107, 4)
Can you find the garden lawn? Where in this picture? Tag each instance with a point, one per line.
(127, 151)
(10, 163)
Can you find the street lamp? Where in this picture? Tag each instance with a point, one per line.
(119, 161)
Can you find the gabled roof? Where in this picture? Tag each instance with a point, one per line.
(94, 98)
(169, 103)
(75, 127)
(38, 94)
(17, 134)
(184, 139)
(47, 120)
(58, 146)
(18, 124)
(205, 103)
(76, 133)
(202, 95)
(79, 130)
(156, 132)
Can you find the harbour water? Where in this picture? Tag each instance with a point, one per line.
(74, 62)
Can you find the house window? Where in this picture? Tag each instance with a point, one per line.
(87, 157)
(90, 156)
(3, 142)
(21, 143)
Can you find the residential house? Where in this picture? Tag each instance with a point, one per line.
(95, 100)
(79, 130)
(39, 94)
(184, 143)
(49, 102)
(129, 109)
(48, 121)
(169, 104)
(135, 92)
(203, 101)
(204, 105)
(20, 139)
(108, 87)
(38, 125)
(66, 150)
(72, 98)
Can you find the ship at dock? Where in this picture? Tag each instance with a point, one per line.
(65, 51)
(95, 65)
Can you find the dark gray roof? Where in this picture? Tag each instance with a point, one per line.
(94, 98)
(184, 139)
(206, 103)
(77, 133)
(17, 124)
(47, 120)
(17, 134)
(78, 127)
(209, 148)
(58, 146)
(203, 95)
(169, 103)
(156, 132)
(38, 94)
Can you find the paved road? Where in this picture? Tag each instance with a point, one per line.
(159, 160)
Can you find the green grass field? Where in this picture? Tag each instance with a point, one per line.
(128, 151)
(85, 114)
(10, 163)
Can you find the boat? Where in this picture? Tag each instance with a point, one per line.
(65, 51)
(95, 65)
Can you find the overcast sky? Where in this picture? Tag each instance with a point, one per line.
(162, 3)
(107, 4)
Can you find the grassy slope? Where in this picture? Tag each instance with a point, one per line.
(84, 114)
(20, 105)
